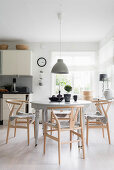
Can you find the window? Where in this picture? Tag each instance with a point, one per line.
(82, 72)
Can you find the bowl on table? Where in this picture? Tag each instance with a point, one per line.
(56, 99)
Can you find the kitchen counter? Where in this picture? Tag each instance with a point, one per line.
(4, 113)
(1, 93)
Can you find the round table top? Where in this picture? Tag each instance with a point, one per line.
(47, 103)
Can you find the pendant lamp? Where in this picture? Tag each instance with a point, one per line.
(60, 67)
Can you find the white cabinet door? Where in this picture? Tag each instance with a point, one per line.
(15, 62)
(9, 63)
(24, 63)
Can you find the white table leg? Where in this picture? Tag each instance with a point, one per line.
(43, 120)
(36, 126)
(79, 131)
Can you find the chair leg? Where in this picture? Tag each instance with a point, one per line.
(15, 128)
(59, 145)
(28, 130)
(103, 130)
(83, 147)
(87, 131)
(70, 139)
(51, 122)
(108, 133)
(45, 127)
(81, 123)
(8, 131)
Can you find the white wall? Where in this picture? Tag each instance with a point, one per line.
(106, 54)
(106, 60)
(45, 50)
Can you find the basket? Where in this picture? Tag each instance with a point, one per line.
(87, 95)
(21, 47)
(3, 46)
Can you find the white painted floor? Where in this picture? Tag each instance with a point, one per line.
(17, 155)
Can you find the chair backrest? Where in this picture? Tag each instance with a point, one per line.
(102, 106)
(90, 109)
(75, 110)
(14, 106)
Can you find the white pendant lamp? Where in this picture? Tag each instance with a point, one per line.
(60, 67)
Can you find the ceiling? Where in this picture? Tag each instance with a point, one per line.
(36, 20)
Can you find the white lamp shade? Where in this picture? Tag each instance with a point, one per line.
(60, 67)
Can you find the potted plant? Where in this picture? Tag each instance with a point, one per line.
(67, 96)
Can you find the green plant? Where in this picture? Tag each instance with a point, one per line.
(68, 88)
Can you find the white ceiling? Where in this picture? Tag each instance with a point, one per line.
(36, 20)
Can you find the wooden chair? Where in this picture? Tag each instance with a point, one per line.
(19, 117)
(99, 119)
(67, 125)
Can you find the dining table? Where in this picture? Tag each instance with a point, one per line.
(44, 105)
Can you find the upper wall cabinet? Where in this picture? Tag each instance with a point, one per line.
(15, 62)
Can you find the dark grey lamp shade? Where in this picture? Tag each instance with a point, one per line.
(60, 67)
(102, 77)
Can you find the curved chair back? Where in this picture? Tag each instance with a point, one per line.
(14, 106)
(103, 106)
(75, 110)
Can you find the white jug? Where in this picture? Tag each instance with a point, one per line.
(108, 94)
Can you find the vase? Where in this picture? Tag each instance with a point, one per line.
(108, 94)
(75, 98)
(67, 97)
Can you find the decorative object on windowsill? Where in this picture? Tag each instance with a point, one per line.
(41, 62)
(22, 47)
(87, 95)
(60, 67)
(67, 96)
(3, 46)
(103, 78)
(75, 98)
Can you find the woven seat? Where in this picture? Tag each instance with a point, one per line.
(63, 124)
(97, 117)
(23, 116)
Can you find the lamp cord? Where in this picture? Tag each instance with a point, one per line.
(60, 36)
(59, 17)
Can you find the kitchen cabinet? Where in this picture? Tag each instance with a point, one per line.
(16, 62)
(5, 109)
